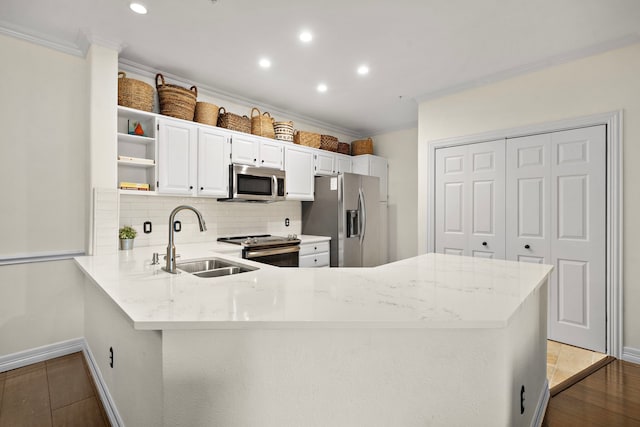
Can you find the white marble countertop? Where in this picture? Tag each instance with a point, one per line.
(428, 291)
(309, 239)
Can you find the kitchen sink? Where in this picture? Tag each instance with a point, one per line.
(213, 267)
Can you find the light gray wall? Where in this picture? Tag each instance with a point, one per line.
(401, 150)
(597, 84)
(43, 170)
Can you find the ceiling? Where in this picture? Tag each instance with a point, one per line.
(415, 49)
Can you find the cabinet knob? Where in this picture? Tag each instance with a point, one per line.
(255, 160)
(201, 188)
(527, 247)
(191, 187)
(315, 248)
(484, 243)
(262, 161)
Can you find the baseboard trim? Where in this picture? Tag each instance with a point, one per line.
(40, 354)
(630, 354)
(51, 351)
(105, 397)
(541, 408)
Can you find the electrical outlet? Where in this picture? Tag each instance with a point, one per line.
(286, 222)
(111, 357)
(146, 226)
(522, 400)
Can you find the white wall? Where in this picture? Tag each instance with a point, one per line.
(43, 118)
(598, 84)
(401, 150)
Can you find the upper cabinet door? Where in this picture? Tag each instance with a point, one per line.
(271, 155)
(177, 146)
(324, 163)
(299, 167)
(343, 164)
(245, 150)
(214, 150)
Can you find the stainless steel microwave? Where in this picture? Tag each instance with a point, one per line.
(252, 184)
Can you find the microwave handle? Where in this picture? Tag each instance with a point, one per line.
(274, 189)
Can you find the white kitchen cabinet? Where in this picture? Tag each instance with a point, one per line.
(298, 163)
(368, 164)
(343, 163)
(136, 153)
(314, 254)
(271, 155)
(177, 157)
(245, 149)
(214, 152)
(324, 163)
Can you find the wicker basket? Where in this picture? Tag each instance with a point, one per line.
(344, 148)
(262, 124)
(134, 93)
(362, 146)
(233, 121)
(176, 101)
(283, 131)
(329, 143)
(308, 139)
(206, 113)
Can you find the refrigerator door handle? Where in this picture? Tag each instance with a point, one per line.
(362, 207)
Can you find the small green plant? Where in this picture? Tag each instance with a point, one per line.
(127, 232)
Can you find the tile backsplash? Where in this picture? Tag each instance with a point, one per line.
(222, 218)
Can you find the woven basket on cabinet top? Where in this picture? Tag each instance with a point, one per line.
(262, 124)
(283, 131)
(329, 143)
(362, 146)
(206, 113)
(176, 101)
(133, 93)
(344, 148)
(308, 139)
(233, 121)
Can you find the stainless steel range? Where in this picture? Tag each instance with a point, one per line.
(268, 249)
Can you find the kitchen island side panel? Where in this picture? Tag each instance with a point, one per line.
(347, 377)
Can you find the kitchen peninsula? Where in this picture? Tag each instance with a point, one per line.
(433, 340)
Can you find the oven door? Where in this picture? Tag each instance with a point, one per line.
(283, 256)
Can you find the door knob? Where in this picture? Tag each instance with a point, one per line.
(527, 247)
(484, 243)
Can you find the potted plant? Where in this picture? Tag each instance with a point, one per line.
(127, 234)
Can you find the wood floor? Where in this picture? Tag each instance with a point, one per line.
(609, 397)
(59, 392)
(55, 393)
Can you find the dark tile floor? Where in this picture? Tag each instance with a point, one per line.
(55, 393)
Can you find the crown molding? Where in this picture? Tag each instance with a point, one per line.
(533, 66)
(150, 72)
(38, 38)
(86, 38)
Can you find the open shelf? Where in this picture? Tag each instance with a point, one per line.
(136, 139)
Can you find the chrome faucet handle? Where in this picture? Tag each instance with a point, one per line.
(155, 259)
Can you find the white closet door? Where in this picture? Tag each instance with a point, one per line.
(556, 209)
(527, 199)
(470, 200)
(451, 214)
(486, 200)
(577, 302)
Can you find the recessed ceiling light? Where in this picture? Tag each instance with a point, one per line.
(363, 69)
(306, 36)
(138, 8)
(322, 87)
(264, 63)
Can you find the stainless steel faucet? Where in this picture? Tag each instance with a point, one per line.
(171, 248)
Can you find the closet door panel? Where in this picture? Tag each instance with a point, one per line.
(486, 199)
(577, 302)
(451, 189)
(528, 161)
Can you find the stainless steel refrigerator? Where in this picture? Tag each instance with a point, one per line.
(346, 208)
